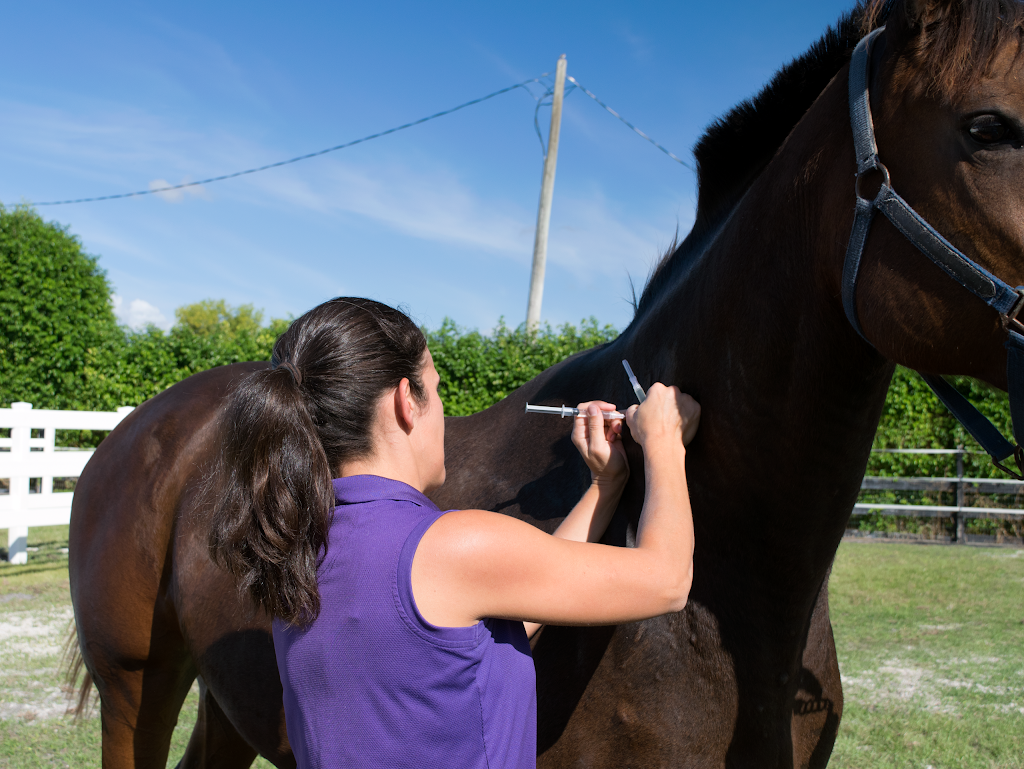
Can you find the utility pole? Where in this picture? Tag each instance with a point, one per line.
(547, 187)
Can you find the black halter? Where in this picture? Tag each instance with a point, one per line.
(1000, 296)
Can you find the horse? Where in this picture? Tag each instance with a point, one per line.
(746, 314)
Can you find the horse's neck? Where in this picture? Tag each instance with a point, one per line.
(753, 326)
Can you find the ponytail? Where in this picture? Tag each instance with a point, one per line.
(288, 430)
(277, 471)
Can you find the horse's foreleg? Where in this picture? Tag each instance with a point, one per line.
(818, 707)
(215, 742)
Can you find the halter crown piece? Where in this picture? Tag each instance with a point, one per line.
(1000, 296)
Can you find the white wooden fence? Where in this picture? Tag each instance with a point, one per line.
(29, 463)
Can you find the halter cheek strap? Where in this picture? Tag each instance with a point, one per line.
(1000, 296)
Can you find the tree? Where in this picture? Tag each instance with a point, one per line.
(151, 361)
(56, 317)
(210, 317)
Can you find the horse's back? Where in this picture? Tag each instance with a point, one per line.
(125, 500)
(126, 511)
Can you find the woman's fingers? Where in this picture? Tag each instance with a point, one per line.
(595, 438)
(588, 431)
(666, 411)
(690, 410)
(631, 419)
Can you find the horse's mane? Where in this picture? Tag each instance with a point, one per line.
(950, 41)
(735, 148)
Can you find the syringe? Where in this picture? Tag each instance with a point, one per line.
(568, 411)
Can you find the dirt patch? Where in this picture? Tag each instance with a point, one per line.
(31, 643)
(897, 681)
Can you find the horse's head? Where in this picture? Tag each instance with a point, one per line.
(947, 96)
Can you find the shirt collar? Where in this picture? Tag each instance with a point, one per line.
(369, 488)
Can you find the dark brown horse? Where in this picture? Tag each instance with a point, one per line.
(747, 316)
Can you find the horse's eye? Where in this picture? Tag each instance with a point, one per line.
(989, 129)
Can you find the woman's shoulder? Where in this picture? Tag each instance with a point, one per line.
(475, 546)
(470, 526)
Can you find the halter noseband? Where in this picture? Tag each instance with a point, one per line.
(1000, 296)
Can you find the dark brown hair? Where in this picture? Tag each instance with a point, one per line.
(288, 429)
(950, 42)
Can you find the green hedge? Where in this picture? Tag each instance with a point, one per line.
(61, 347)
(914, 418)
(479, 370)
(144, 363)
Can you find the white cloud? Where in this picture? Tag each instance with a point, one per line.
(639, 46)
(588, 235)
(591, 239)
(139, 313)
(102, 147)
(175, 51)
(176, 196)
(430, 202)
(594, 237)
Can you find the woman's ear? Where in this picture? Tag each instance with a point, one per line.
(405, 405)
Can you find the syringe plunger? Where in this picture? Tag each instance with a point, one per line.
(568, 411)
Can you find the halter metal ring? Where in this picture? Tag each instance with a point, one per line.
(877, 165)
(1009, 320)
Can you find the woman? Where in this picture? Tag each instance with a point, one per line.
(399, 628)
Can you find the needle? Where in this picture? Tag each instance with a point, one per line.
(640, 394)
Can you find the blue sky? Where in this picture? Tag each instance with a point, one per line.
(103, 98)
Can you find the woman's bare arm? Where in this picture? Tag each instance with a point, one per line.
(473, 564)
(599, 444)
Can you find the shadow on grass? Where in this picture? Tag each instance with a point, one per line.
(20, 570)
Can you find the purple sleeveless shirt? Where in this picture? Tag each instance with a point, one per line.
(371, 683)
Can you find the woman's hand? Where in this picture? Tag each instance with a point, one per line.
(667, 414)
(598, 441)
(472, 564)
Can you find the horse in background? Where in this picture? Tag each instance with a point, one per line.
(746, 314)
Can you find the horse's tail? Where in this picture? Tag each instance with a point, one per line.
(72, 665)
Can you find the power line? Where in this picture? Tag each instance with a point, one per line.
(550, 92)
(648, 138)
(236, 174)
(300, 157)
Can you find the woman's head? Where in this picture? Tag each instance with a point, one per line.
(343, 356)
(287, 432)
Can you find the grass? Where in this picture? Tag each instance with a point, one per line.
(35, 617)
(931, 648)
(930, 640)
